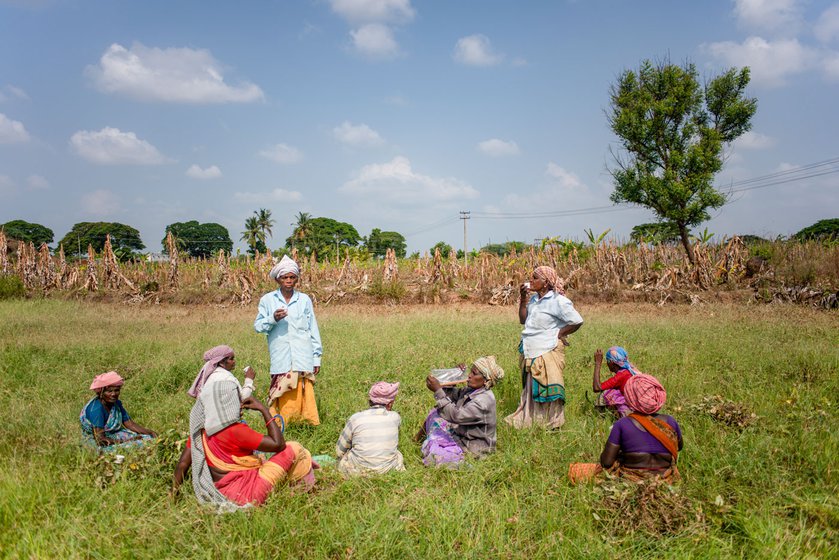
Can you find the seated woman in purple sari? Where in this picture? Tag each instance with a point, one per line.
(463, 420)
(106, 425)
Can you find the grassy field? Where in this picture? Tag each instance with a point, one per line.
(761, 487)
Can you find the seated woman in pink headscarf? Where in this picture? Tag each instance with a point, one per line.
(106, 424)
(644, 444)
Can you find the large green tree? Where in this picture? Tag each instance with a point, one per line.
(378, 242)
(199, 240)
(673, 130)
(823, 230)
(27, 231)
(323, 236)
(124, 239)
(444, 247)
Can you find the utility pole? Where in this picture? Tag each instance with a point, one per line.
(464, 215)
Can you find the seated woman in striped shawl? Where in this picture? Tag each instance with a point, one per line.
(226, 472)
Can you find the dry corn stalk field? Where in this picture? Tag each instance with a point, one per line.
(805, 273)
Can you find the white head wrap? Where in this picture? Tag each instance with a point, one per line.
(285, 266)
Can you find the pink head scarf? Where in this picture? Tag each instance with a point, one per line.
(383, 392)
(644, 394)
(106, 380)
(212, 357)
(550, 277)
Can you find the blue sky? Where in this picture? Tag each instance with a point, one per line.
(390, 114)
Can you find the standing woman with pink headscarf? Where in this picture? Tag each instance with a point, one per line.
(106, 425)
(548, 318)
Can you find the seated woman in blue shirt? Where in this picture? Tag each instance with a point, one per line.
(548, 318)
(105, 422)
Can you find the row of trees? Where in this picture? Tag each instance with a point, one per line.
(325, 236)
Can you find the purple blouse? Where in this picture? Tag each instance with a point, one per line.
(632, 440)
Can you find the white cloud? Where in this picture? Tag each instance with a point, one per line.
(563, 178)
(771, 62)
(396, 182)
(282, 153)
(179, 75)
(475, 50)
(12, 91)
(375, 40)
(276, 195)
(356, 135)
(196, 172)
(769, 15)
(826, 28)
(37, 183)
(498, 148)
(12, 132)
(358, 11)
(111, 146)
(101, 203)
(754, 141)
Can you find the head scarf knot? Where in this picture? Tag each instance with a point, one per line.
(212, 357)
(618, 356)
(285, 266)
(491, 371)
(383, 392)
(549, 276)
(106, 380)
(644, 394)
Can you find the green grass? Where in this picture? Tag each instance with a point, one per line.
(766, 491)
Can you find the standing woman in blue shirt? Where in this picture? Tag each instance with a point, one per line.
(288, 318)
(548, 318)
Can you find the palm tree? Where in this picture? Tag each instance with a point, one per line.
(263, 217)
(253, 235)
(303, 227)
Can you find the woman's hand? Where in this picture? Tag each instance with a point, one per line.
(524, 288)
(250, 373)
(598, 356)
(280, 314)
(252, 403)
(432, 383)
(316, 370)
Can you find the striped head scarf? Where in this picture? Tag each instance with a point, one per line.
(489, 369)
(548, 275)
(617, 355)
(644, 394)
(212, 357)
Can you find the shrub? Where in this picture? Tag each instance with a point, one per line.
(11, 287)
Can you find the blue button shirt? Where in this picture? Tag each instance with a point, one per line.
(293, 341)
(545, 316)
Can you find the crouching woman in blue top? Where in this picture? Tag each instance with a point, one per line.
(105, 423)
